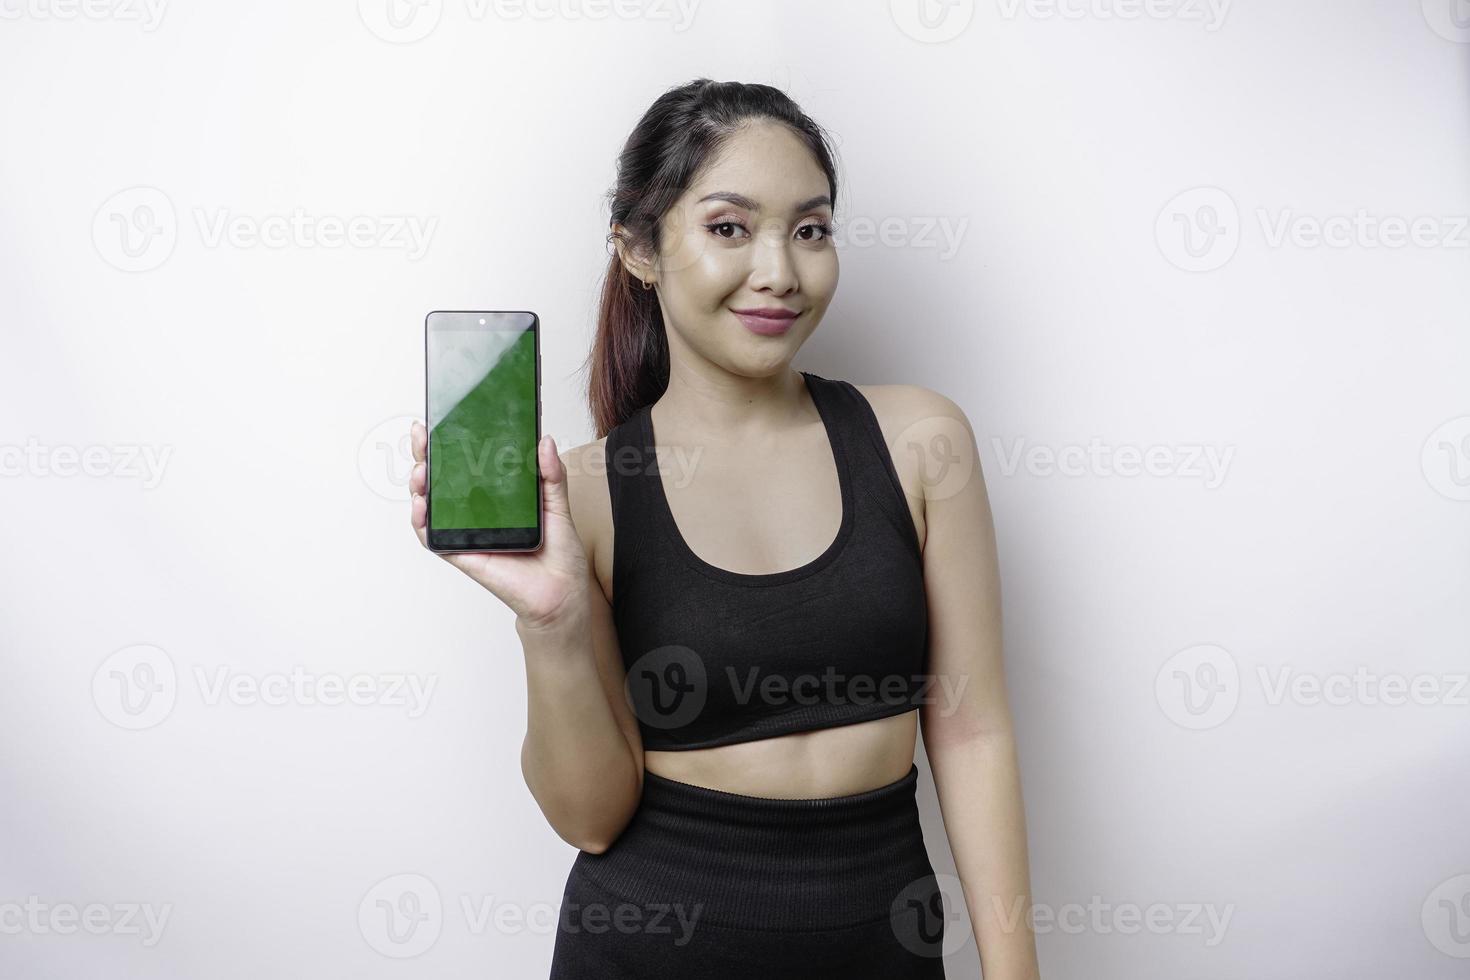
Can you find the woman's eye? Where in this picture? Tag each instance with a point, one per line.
(825, 229)
(714, 228)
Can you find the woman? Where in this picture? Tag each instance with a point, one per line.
(745, 605)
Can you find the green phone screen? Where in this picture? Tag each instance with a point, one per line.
(482, 420)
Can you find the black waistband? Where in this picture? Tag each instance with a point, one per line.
(764, 863)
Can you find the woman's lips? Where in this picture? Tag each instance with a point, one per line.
(766, 326)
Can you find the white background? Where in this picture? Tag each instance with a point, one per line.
(1149, 618)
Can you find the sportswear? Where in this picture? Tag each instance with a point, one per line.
(708, 885)
(715, 657)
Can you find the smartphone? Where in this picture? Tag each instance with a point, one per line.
(483, 412)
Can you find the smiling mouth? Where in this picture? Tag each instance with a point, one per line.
(766, 325)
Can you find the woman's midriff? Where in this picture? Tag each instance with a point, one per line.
(836, 761)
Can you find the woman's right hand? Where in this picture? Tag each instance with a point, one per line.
(541, 587)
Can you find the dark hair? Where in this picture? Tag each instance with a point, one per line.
(676, 136)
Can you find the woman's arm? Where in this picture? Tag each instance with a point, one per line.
(582, 755)
(968, 734)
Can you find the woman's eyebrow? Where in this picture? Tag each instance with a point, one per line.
(741, 201)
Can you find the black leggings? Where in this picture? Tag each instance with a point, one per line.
(707, 885)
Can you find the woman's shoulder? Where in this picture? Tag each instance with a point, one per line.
(918, 424)
(910, 408)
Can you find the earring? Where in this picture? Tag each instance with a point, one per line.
(647, 285)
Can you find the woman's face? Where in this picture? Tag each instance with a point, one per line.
(752, 233)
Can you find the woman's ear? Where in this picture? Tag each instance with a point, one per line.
(635, 262)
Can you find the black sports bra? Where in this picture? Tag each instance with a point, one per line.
(715, 657)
